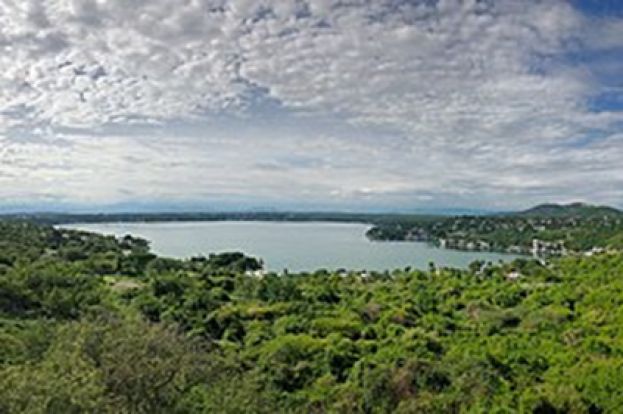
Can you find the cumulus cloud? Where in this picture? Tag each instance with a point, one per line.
(461, 101)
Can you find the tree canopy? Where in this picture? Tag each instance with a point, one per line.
(90, 323)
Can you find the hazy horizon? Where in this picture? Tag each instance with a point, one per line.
(138, 208)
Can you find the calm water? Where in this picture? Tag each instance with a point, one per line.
(293, 246)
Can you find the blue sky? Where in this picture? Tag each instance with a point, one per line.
(310, 104)
(601, 8)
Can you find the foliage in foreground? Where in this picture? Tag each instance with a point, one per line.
(93, 324)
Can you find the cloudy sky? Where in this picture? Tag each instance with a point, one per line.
(310, 104)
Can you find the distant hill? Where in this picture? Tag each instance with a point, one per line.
(570, 210)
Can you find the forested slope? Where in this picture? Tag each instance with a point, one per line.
(561, 229)
(93, 324)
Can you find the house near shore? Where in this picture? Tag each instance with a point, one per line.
(541, 248)
(260, 273)
(594, 251)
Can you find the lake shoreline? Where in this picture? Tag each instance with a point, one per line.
(296, 246)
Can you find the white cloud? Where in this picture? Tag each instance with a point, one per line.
(470, 99)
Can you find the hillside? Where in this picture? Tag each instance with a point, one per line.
(570, 210)
(94, 324)
(561, 229)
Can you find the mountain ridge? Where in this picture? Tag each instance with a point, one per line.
(578, 209)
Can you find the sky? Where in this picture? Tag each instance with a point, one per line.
(310, 104)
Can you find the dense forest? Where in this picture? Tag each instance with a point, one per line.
(90, 323)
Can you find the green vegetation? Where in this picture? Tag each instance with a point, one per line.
(559, 230)
(95, 324)
(570, 210)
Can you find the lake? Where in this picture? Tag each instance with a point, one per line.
(294, 246)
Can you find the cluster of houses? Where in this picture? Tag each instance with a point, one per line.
(542, 248)
(462, 244)
(539, 249)
(417, 234)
